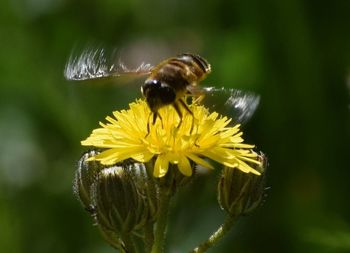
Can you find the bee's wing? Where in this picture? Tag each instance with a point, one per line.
(94, 64)
(237, 104)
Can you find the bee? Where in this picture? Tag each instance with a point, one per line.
(172, 80)
(169, 83)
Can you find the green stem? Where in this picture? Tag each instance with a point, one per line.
(216, 236)
(160, 232)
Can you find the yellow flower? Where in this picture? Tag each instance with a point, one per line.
(170, 140)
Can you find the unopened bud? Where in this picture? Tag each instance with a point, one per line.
(85, 176)
(240, 193)
(145, 185)
(120, 207)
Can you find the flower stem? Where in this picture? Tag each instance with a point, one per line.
(160, 231)
(216, 236)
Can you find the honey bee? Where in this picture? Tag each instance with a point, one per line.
(169, 83)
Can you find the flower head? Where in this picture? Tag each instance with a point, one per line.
(130, 134)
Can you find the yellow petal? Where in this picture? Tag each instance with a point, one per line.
(184, 166)
(161, 166)
(200, 161)
(142, 156)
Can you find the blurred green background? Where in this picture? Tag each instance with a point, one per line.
(295, 54)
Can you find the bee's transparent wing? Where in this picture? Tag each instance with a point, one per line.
(237, 104)
(98, 63)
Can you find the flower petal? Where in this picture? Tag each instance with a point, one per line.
(200, 161)
(161, 166)
(184, 166)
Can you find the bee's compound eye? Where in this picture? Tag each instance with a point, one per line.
(167, 94)
(150, 85)
(158, 94)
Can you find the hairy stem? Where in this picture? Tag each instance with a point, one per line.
(216, 236)
(160, 231)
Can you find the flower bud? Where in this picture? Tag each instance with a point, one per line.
(85, 176)
(120, 207)
(240, 193)
(145, 184)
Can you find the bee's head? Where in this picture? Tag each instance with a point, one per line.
(157, 94)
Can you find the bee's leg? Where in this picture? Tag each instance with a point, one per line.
(183, 103)
(197, 94)
(199, 99)
(177, 109)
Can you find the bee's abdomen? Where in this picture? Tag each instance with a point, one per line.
(188, 67)
(181, 71)
(198, 60)
(198, 65)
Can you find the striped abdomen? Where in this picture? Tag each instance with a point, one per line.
(181, 71)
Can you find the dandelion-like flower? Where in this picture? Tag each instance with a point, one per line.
(171, 140)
